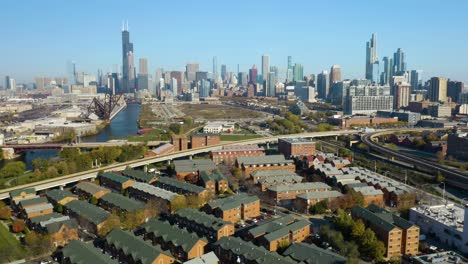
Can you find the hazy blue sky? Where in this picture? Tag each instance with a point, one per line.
(40, 36)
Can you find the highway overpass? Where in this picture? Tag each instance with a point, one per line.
(67, 179)
(452, 176)
(42, 146)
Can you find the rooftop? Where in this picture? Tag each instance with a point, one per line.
(115, 177)
(272, 173)
(138, 175)
(281, 179)
(92, 213)
(204, 219)
(184, 186)
(271, 226)
(233, 201)
(54, 227)
(251, 253)
(304, 186)
(38, 208)
(260, 160)
(297, 140)
(34, 201)
(172, 233)
(449, 215)
(240, 148)
(448, 257)
(367, 190)
(90, 188)
(208, 258)
(284, 231)
(319, 195)
(311, 254)
(44, 218)
(79, 252)
(155, 191)
(215, 176)
(380, 217)
(194, 165)
(58, 195)
(122, 202)
(26, 191)
(141, 251)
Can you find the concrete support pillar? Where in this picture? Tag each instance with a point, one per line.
(336, 138)
(145, 168)
(190, 157)
(268, 145)
(61, 187)
(168, 162)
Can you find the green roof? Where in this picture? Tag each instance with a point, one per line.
(122, 202)
(139, 250)
(233, 201)
(55, 226)
(259, 160)
(79, 252)
(171, 233)
(299, 187)
(92, 213)
(380, 218)
(281, 179)
(90, 188)
(271, 226)
(251, 253)
(311, 254)
(180, 185)
(18, 192)
(34, 201)
(138, 175)
(194, 165)
(319, 195)
(201, 218)
(42, 218)
(115, 177)
(272, 173)
(215, 176)
(58, 195)
(284, 231)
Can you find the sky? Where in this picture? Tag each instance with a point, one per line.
(39, 37)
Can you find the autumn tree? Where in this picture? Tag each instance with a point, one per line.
(37, 243)
(5, 211)
(112, 222)
(178, 202)
(18, 226)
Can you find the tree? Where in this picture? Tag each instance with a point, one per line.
(40, 164)
(324, 127)
(358, 229)
(237, 173)
(418, 142)
(178, 202)
(112, 222)
(69, 153)
(320, 207)
(363, 147)
(5, 213)
(37, 243)
(344, 152)
(52, 172)
(282, 246)
(343, 221)
(439, 177)
(132, 220)
(93, 200)
(18, 226)
(13, 169)
(440, 156)
(59, 208)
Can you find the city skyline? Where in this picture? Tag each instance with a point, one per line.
(94, 42)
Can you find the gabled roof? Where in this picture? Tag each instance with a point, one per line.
(171, 233)
(90, 188)
(250, 252)
(54, 227)
(271, 226)
(34, 201)
(79, 252)
(38, 208)
(58, 195)
(319, 195)
(134, 247)
(389, 217)
(272, 173)
(115, 177)
(92, 213)
(201, 218)
(233, 201)
(372, 218)
(299, 187)
(281, 179)
(208, 258)
(138, 175)
(311, 254)
(284, 231)
(260, 160)
(194, 165)
(122, 202)
(185, 186)
(44, 218)
(154, 191)
(26, 191)
(215, 176)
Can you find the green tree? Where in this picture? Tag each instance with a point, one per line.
(5, 211)
(13, 169)
(358, 229)
(40, 164)
(52, 172)
(178, 202)
(37, 243)
(344, 152)
(320, 207)
(324, 127)
(59, 208)
(112, 222)
(69, 153)
(439, 177)
(93, 200)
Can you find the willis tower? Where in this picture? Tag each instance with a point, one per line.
(128, 68)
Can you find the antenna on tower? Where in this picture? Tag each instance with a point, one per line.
(127, 25)
(123, 26)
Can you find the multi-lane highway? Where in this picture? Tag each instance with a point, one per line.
(452, 176)
(67, 179)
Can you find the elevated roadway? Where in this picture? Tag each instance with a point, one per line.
(67, 179)
(452, 176)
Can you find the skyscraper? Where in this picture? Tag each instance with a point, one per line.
(253, 74)
(335, 74)
(143, 63)
(191, 70)
(174, 86)
(143, 77)
(438, 89)
(387, 71)
(298, 72)
(323, 85)
(177, 75)
(128, 71)
(454, 89)
(290, 62)
(416, 79)
(399, 62)
(401, 96)
(265, 66)
(271, 85)
(204, 88)
(275, 70)
(215, 68)
(7, 82)
(372, 60)
(223, 72)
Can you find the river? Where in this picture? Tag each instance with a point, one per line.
(123, 125)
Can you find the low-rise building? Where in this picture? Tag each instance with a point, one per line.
(214, 182)
(180, 142)
(457, 145)
(120, 203)
(62, 232)
(261, 163)
(78, 252)
(235, 250)
(163, 149)
(360, 121)
(38, 210)
(139, 175)
(115, 181)
(61, 197)
(289, 192)
(203, 224)
(129, 248)
(446, 222)
(234, 208)
(294, 147)
(229, 154)
(18, 195)
(257, 176)
(39, 222)
(87, 190)
(182, 244)
(208, 258)
(281, 180)
(447, 257)
(370, 194)
(89, 216)
(305, 201)
(399, 236)
(145, 192)
(284, 230)
(311, 254)
(203, 140)
(23, 204)
(191, 169)
(180, 187)
(219, 127)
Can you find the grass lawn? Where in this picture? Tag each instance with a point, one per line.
(10, 246)
(237, 137)
(217, 112)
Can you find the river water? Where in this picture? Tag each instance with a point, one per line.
(123, 125)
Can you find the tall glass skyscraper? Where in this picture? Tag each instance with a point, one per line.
(399, 62)
(265, 66)
(298, 72)
(128, 71)
(372, 61)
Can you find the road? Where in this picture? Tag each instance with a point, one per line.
(67, 179)
(452, 177)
